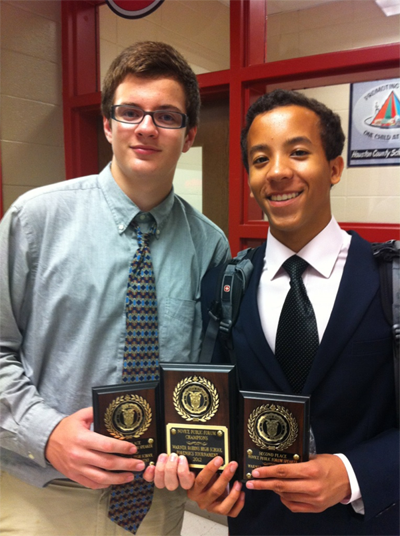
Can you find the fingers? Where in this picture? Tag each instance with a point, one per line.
(172, 471)
(89, 458)
(206, 477)
(101, 443)
(171, 480)
(159, 477)
(149, 473)
(110, 462)
(232, 504)
(283, 471)
(186, 477)
(311, 486)
(210, 491)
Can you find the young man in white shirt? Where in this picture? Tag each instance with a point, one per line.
(291, 148)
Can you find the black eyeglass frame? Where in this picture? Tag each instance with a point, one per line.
(184, 117)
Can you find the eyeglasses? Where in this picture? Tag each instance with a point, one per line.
(132, 115)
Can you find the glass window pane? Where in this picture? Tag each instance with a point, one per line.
(199, 29)
(303, 28)
(188, 178)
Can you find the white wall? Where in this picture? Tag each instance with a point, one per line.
(199, 29)
(32, 144)
(364, 195)
(330, 27)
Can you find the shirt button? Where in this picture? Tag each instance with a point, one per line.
(142, 217)
(31, 456)
(158, 232)
(120, 227)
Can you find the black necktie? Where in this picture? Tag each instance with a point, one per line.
(297, 335)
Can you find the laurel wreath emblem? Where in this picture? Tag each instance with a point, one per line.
(109, 414)
(283, 412)
(210, 388)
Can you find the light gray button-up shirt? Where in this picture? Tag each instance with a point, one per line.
(65, 254)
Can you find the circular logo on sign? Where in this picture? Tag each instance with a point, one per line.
(128, 417)
(272, 427)
(196, 399)
(134, 9)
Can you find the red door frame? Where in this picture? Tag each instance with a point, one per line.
(247, 69)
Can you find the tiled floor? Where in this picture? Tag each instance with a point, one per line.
(194, 525)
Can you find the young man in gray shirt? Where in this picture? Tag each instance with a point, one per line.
(66, 250)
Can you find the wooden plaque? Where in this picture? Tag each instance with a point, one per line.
(200, 412)
(130, 413)
(275, 429)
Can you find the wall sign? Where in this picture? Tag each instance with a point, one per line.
(374, 127)
(134, 9)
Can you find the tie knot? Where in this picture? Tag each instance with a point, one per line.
(295, 267)
(144, 238)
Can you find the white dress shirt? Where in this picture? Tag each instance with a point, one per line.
(326, 255)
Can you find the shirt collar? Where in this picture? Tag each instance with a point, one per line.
(321, 252)
(124, 209)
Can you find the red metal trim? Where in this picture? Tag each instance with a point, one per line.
(80, 83)
(256, 33)
(236, 34)
(214, 85)
(382, 57)
(238, 14)
(90, 101)
(236, 183)
(331, 64)
(373, 232)
(84, 126)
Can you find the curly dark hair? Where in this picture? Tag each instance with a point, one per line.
(152, 59)
(332, 135)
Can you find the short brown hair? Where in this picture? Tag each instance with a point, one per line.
(152, 59)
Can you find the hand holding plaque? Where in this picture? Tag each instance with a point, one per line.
(130, 413)
(276, 429)
(199, 411)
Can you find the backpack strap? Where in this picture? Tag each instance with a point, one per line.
(231, 286)
(388, 255)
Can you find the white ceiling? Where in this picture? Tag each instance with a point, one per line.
(389, 7)
(277, 6)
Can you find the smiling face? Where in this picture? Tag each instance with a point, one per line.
(289, 174)
(145, 156)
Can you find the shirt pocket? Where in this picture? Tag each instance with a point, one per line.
(176, 325)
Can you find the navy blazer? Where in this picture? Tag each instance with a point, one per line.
(351, 384)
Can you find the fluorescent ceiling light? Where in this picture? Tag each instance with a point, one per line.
(389, 7)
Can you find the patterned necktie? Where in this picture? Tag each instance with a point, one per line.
(297, 335)
(129, 503)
